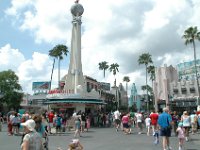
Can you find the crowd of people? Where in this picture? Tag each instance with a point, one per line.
(37, 127)
(159, 124)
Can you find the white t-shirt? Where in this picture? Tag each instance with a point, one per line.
(117, 115)
(186, 121)
(192, 116)
(139, 117)
(34, 139)
(148, 121)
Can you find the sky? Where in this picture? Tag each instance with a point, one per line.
(116, 31)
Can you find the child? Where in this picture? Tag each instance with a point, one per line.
(156, 136)
(148, 124)
(75, 145)
(87, 123)
(181, 135)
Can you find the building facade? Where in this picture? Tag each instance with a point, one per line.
(163, 77)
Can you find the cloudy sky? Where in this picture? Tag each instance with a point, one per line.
(116, 31)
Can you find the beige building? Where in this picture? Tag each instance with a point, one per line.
(163, 77)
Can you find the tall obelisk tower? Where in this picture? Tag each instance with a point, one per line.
(75, 78)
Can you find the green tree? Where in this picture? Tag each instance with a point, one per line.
(114, 69)
(10, 89)
(103, 66)
(58, 52)
(148, 88)
(126, 79)
(151, 72)
(190, 35)
(145, 59)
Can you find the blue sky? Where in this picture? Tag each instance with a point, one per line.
(116, 31)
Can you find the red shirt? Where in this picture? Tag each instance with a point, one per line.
(51, 116)
(125, 119)
(154, 118)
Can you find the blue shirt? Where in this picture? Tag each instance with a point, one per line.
(164, 120)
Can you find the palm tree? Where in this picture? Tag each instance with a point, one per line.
(103, 66)
(58, 52)
(151, 71)
(114, 69)
(190, 35)
(145, 59)
(126, 79)
(148, 88)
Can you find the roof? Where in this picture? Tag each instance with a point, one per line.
(86, 101)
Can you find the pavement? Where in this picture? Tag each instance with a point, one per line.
(102, 139)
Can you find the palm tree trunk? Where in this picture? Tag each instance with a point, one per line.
(147, 92)
(52, 73)
(198, 100)
(59, 73)
(104, 73)
(153, 95)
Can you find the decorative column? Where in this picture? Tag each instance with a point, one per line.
(75, 78)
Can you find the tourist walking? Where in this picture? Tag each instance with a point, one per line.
(15, 124)
(87, 123)
(31, 140)
(10, 115)
(175, 120)
(50, 119)
(194, 119)
(185, 118)
(148, 124)
(164, 122)
(116, 116)
(181, 135)
(77, 121)
(139, 120)
(83, 121)
(58, 123)
(154, 120)
(125, 122)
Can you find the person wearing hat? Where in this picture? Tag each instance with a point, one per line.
(31, 140)
(181, 135)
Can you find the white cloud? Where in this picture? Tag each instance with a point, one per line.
(10, 58)
(38, 68)
(116, 31)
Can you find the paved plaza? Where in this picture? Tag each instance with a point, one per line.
(101, 139)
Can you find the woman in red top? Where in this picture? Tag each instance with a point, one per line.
(154, 120)
(125, 121)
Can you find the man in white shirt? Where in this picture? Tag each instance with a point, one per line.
(139, 118)
(116, 116)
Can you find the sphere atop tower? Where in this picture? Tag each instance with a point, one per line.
(77, 9)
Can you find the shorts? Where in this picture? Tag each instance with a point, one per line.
(165, 131)
(125, 125)
(77, 124)
(117, 121)
(58, 127)
(51, 124)
(140, 125)
(83, 123)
